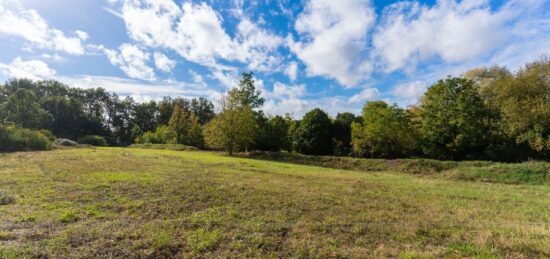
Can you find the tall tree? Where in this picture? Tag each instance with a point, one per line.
(23, 109)
(522, 104)
(313, 134)
(231, 130)
(68, 116)
(341, 131)
(386, 132)
(203, 108)
(246, 94)
(454, 120)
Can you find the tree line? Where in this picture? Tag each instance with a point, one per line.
(488, 113)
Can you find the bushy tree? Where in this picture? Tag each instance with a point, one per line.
(521, 102)
(313, 134)
(273, 133)
(22, 108)
(67, 114)
(341, 131)
(203, 109)
(454, 120)
(385, 132)
(232, 130)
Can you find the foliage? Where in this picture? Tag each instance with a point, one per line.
(385, 132)
(22, 108)
(521, 102)
(341, 132)
(93, 140)
(231, 130)
(454, 120)
(17, 139)
(313, 135)
(246, 94)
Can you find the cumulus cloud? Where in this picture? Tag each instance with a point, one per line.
(365, 95)
(15, 20)
(195, 32)
(31, 69)
(139, 90)
(164, 63)
(454, 31)
(333, 38)
(133, 61)
(408, 93)
(291, 70)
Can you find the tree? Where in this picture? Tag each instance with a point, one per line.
(178, 125)
(232, 129)
(272, 133)
(246, 94)
(386, 132)
(68, 116)
(23, 109)
(341, 131)
(454, 120)
(145, 116)
(313, 134)
(203, 108)
(521, 102)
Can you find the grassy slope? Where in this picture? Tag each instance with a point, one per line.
(120, 202)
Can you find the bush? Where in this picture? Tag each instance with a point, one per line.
(93, 140)
(17, 139)
(162, 135)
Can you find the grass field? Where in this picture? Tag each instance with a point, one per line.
(116, 202)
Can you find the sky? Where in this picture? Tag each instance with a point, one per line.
(335, 55)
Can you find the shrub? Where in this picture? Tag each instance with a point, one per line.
(17, 139)
(93, 140)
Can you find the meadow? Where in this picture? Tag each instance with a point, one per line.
(135, 202)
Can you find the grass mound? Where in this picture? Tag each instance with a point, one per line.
(173, 147)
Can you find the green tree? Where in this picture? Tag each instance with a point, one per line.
(246, 94)
(386, 132)
(521, 102)
(341, 131)
(22, 108)
(178, 124)
(313, 134)
(203, 108)
(454, 120)
(232, 129)
(67, 114)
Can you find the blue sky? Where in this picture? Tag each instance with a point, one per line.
(335, 55)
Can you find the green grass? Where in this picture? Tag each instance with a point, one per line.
(117, 202)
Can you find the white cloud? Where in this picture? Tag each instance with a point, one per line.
(333, 37)
(140, 91)
(281, 90)
(291, 70)
(133, 61)
(365, 95)
(411, 33)
(31, 69)
(82, 34)
(408, 93)
(15, 20)
(163, 62)
(195, 32)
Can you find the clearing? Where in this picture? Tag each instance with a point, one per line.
(131, 202)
